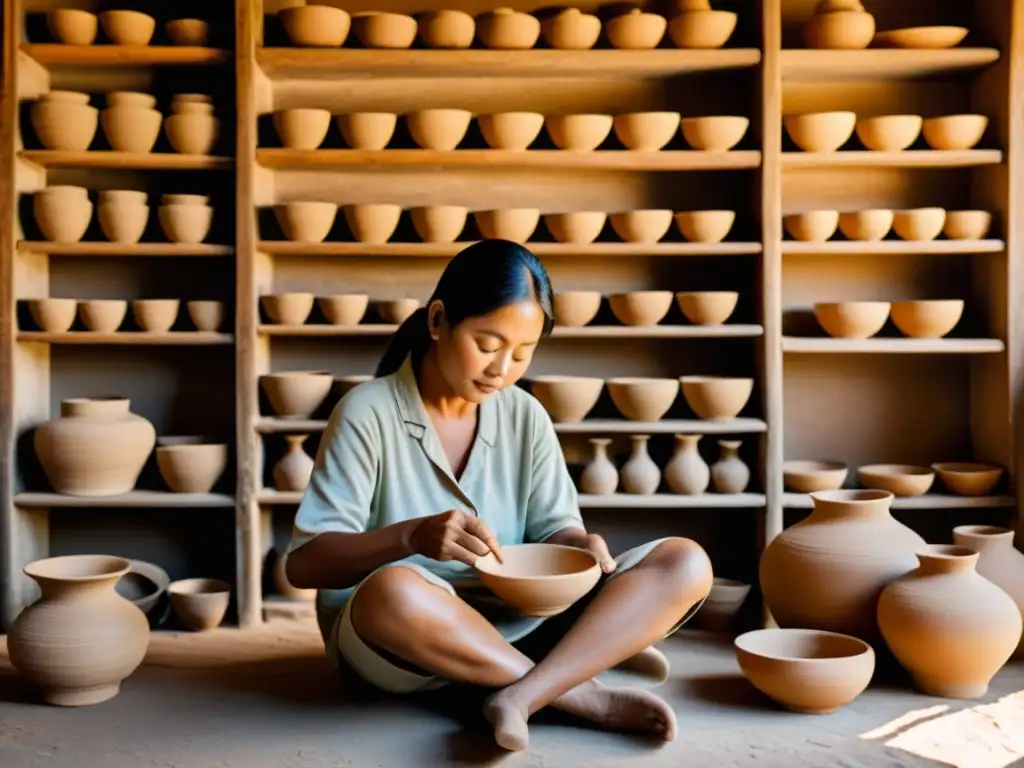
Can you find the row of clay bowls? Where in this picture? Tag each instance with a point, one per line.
(828, 131)
(443, 129)
(914, 224)
(64, 213)
(918, 319)
(577, 308)
(961, 478)
(64, 120)
(695, 26)
(294, 308)
(106, 315)
(844, 24)
(311, 221)
(123, 27)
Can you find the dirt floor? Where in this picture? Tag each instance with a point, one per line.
(267, 698)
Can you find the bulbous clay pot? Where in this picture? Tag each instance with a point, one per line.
(53, 315)
(729, 474)
(640, 475)
(599, 477)
(839, 25)
(827, 571)
(283, 586)
(191, 467)
(72, 26)
(192, 134)
(81, 639)
(62, 212)
(185, 223)
(292, 472)
(506, 29)
(571, 29)
(206, 315)
(97, 447)
(686, 473)
(948, 625)
(447, 28)
(64, 120)
(123, 215)
(131, 129)
(998, 561)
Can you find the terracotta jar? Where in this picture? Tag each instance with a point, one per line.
(686, 472)
(97, 447)
(292, 472)
(827, 571)
(599, 477)
(729, 474)
(640, 475)
(999, 561)
(948, 625)
(81, 638)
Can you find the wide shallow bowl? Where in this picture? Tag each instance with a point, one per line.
(898, 479)
(200, 604)
(806, 670)
(567, 398)
(968, 478)
(643, 399)
(921, 37)
(540, 579)
(852, 319)
(707, 307)
(575, 308)
(296, 394)
(812, 476)
(927, 318)
(716, 397)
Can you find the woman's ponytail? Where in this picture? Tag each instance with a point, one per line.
(412, 337)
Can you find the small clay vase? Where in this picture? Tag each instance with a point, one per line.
(293, 470)
(599, 477)
(948, 625)
(686, 472)
(998, 561)
(729, 474)
(640, 475)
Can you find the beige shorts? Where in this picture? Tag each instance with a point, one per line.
(381, 673)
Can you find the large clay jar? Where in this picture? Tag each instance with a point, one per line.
(999, 561)
(686, 472)
(292, 472)
(640, 475)
(97, 447)
(729, 474)
(81, 638)
(948, 625)
(599, 477)
(827, 571)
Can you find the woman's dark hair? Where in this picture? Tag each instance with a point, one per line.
(480, 279)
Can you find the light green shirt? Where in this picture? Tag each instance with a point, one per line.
(380, 462)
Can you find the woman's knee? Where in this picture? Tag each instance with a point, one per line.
(684, 562)
(393, 602)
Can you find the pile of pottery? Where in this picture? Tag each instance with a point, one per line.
(311, 221)
(107, 315)
(444, 129)
(191, 128)
(917, 319)
(644, 308)
(874, 224)
(828, 131)
(844, 24)
(961, 478)
(63, 214)
(686, 473)
(294, 308)
(123, 27)
(695, 25)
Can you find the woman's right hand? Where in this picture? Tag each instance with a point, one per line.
(452, 535)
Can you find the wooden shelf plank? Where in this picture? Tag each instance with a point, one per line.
(124, 55)
(122, 249)
(911, 158)
(130, 338)
(277, 607)
(353, 63)
(673, 501)
(826, 344)
(278, 498)
(447, 250)
(585, 332)
(881, 64)
(894, 247)
(132, 499)
(271, 425)
(928, 501)
(150, 161)
(619, 160)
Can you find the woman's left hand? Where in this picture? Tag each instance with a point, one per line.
(596, 545)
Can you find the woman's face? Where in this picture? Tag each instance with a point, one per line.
(485, 354)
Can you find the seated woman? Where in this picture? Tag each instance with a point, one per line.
(439, 460)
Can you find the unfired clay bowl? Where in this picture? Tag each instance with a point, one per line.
(806, 670)
(571, 29)
(540, 579)
(578, 133)
(643, 399)
(871, 224)
(53, 315)
(642, 226)
(185, 223)
(317, 26)
(396, 311)
(707, 307)
(192, 133)
(367, 130)
(200, 604)
(898, 479)
(811, 226)
(439, 223)
(306, 221)
(155, 315)
(72, 26)
(187, 31)
(506, 29)
(191, 468)
(103, 315)
(714, 134)
(567, 398)
(510, 130)
(640, 307)
(702, 28)
(954, 131)
(290, 308)
(296, 394)
(447, 28)
(966, 225)
(723, 604)
(515, 224)
(206, 315)
(128, 27)
(716, 397)
(927, 318)
(302, 128)
(889, 133)
(705, 226)
(345, 308)
(921, 37)
(377, 29)
(820, 131)
(813, 476)
(576, 227)
(852, 319)
(575, 308)
(918, 224)
(848, 28)
(968, 478)
(441, 129)
(646, 131)
(635, 30)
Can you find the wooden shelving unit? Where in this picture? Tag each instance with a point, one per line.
(887, 398)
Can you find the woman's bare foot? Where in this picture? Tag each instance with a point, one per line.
(650, 662)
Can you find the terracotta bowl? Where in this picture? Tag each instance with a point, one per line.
(345, 308)
(206, 315)
(53, 315)
(820, 131)
(372, 222)
(506, 29)
(396, 311)
(642, 226)
(968, 478)
(646, 131)
(515, 224)
(447, 28)
(567, 398)
(191, 468)
(441, 129)
(640, 307)
(578, 133)
(954, 131)
(722, 606)
(540, 579)
(306, 221)
(716, 397)
(889, 133)
(72, 26)
(187, 31)
(918, 224)
(927, 318)
(921, 37)
(128, 27)
(813, 476)
(705, 226)
(316, 26)
(103, 315)
(378, 29)
(636, 30)
(291, 308)
(714, 134)
(707, 307)
(510, 130)
(806, 670)
(643, 399)
(367, 130)
(571, 30)
(872, 224)
(576, 227)
(200, 604)
(852, 319)
(811, 226)
(848, 29)
(302, 128)
(898, 479)
(155, 315)
(703, 29)
(574, 308)
(439, 223)
(296, 394)
(967, 225)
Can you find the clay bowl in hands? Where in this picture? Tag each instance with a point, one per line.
(643, 399)
(507, 30)
(345, 308)
(540, 579)
(72, 26)
(723, 604)
(889, 133)
(640, 307)
(103, 315)
(567, 398)
(813, 476)
(448, 28)
(872, 224)
(714, 134)
(367, 130)
(372, 222)
(806, 670)
(316, 26)
(296, 394)
(811, 226)
(927, 319)
(705, 226)
(921, 37)
(646, 131)
(898, 479)
(954, 131)
(302, 128)
(191, 467)
(702, 28)
(53, 315)
(852, 319)
(968, 478)
(820, 131)
(306, 221)
(510, 130)
(397, 311)
(128, 27)
(707, 307)
(155, 315)
(716, 397)
(439, 223)
(515, 224)
(574, 308)
(441, 129)
(576, 227)
(918, 224)
(636, 30)
(578, 133)
(966, 225)
(200, 604)
(291, 308)
(642, 226)
(187, 31)
(378, 29)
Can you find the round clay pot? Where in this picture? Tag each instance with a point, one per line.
(122, 218)
(702, 28)
(206, 315)
(640, 475)
(577, 227)
(646, 131)
(811, 226)
(714, 134)
(287, 308)
(722, 606)
(599, 477)
(155, 315)
(372, 222)
(729, 474)
(686, 472)
(952, 132)
(185, 223)
(439, 223)
(705, 226)
(79, 601)
(578, 133)
(367, 130)
(820, 131)
(306, 221)
(103, 315)
(72, 26)
(636, 30)
(898, 479)
(707, 307)
(840, 28)
(716, 397)
(67, 123)
(191, 468)
(62, 212)
(192, 133)
(998, 561)
(949, 626)
(344, 309)
(316, 26)
(889, 133)
(302, 128)
(296, 394)
(514, 224)
(927, 319)
(643, 399)
(919, 224)
(539, 579)
(440, 129)
(128, 27)
(567, 398)
(447, 29)
(575, 308)
(53, 315)
(968, 478)
(131, 129)
(510, 130)
(377, 29)
(292, 471)
(506, 29)
(200, 604)
(396, 311)
(966, 225)
(187, 31)
(571, 29)
(869, 225)
(97, 447)
(640, 307)
(852, 319)
(642, 226)
(284, 587)
(812, 476)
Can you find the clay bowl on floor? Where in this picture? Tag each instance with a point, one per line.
(376, 29)
(439, 223)
(576, 227)
(367, 130)
(707, 307)
(515, 224)
(852, 319)
(640, 307)
(705, 226)
(927, 319)
(578, 133)
(296, 394)
(302, 128)
(200, 604)
(441, 129)
(704, 29)
(889, 133)
(716, 397)
(811, 226)
(344, 308)
(447, 29)
(812, 476)
(72, 26)
(396, 311)
(643, 399)
(722, 606)
(898, 479)
(820, 131)
(968, 478)
(306, 221)
(510, 130)
(918, 223)
(806, 670)
(567, 398)
(871, 224)
(921, 37)
(646, 131)
(714, 134)
(540, 579)
(642, 226)
(287, 308)
(320, 26)
(191, 468)
(954, 131)
(966, 225)
(103, 315)
(53, 315)
(155, 315)
(575, 308)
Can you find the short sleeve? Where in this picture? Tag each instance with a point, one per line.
(553, 503)
(339, 496)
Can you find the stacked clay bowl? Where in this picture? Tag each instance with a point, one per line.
(64, 120)
(191, 127)
(131, 122)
